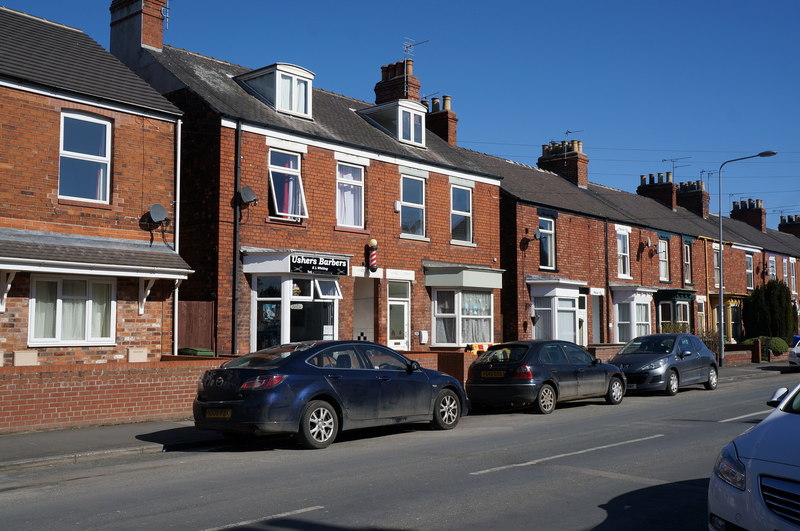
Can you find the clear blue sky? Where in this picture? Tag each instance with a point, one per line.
(639, 81)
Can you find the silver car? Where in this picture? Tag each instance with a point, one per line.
(665, 362)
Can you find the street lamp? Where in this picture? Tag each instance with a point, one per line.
(721, 288)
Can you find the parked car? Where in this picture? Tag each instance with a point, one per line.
(541, 374)
(317, 389)
(794, 353)
(755, 483)
(666, 362)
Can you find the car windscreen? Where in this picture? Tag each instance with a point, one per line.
(793, 405)
(649, 345)
(270, 357)
(795, 340)
(503, 354)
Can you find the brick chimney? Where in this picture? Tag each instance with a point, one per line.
(567, 160)
(442, 121)
(751, 212)
(664, 191)
(693, 197)
(397, 83)
(790, 225)
(136, 24)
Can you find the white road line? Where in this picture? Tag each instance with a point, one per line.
(748, 415)
(543, 459)
(274, 516)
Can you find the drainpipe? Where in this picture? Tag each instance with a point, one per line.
(175, 298)
(236, 212)
(607, 325)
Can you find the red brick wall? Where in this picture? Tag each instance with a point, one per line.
(51, 397)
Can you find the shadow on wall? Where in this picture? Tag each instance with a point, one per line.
(681, 505)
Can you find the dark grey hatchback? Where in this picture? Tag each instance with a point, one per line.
(665, 362)
(540, 374)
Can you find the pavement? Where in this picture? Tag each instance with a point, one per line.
(55, 447)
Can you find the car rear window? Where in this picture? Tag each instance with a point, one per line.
(502, 354)
(649, 345)
(270, 357)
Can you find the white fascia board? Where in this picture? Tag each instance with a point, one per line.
(357, 152)
(81, 268)
(747, 248)
(137, 111)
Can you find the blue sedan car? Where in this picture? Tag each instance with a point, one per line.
(317, 389)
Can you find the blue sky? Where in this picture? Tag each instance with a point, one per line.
(640, 82)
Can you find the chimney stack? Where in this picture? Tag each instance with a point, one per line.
(693, 197)
(442, 122)
(790, 225)
(136, 24)
(663, 191)
(397, 83)
(751, 212)
(567, 160)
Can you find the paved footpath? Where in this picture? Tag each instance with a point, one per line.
(45, 448)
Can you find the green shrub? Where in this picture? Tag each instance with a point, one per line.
(770, 346)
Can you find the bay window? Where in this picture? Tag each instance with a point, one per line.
(72, 311)
(462, 317)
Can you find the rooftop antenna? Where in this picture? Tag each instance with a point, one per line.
(165, 13)
(673, 161)
(566, 138)
(708, 173)
(408, 51)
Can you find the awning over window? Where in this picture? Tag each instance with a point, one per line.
(71, 254)
(453, 275)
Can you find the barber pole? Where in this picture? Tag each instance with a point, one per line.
(372, 251)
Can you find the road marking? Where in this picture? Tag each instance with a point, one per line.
(609, 475)
(559, 456)
(274, 516)
(748, 415)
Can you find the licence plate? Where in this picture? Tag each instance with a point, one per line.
(631, 386)
(218, 413)
(492, 374)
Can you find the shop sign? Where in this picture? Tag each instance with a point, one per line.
(320, 265)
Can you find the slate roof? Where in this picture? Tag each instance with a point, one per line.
(334, 116)
(54, 248)
(57, 57)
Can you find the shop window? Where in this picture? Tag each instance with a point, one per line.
(288, 200)
(85, 158)
(328, 289)
(462, 317)
(72, 311)
(350, 196)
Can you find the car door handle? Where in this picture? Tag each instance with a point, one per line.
(581, 370)
(384, 378)
(335, 376)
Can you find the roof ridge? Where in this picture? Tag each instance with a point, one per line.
(34, 17)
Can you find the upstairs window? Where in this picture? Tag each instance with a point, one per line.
(285, 86)
(716, 268)
(411, 128)
(286, 186)
(412, 206)
(748, 269)
(623, 252)
(404, 119)
(773, 272)
(547, 243)
(461, 214)
(786, 271)
(687, 263)
(85, 158)
(793, 276)
(350, 196)
(663, 260)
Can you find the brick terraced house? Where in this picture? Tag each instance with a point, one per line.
(88, 258)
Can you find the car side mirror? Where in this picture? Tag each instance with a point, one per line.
(413, 366)
(777, 397)
(685, 354)
(595, 361)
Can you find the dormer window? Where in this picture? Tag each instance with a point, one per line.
(284, 86)
(403, 119)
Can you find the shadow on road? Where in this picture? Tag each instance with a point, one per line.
(681, 505)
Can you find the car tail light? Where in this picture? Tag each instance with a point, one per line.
(262, 382)
(200, 385)
(523, 372)
(472, 373)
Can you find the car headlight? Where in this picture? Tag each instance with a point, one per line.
(655, 365)
(729, 469)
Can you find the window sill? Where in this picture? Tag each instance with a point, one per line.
(625, 277)
(86, 204)
(665, 281)
(414, 237)
(286, 222)
(548, 269)
(463, 243)
(354, 230)
(39, 344)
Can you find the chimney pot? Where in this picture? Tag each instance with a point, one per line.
(751, 203)
(660, 177)
(669, 176)
(409, 67)
(436, 103)
(760, 203)
(447, 103)
(642, 180)
(736, 205)
(783, 219)
(652, 178)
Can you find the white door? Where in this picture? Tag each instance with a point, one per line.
(398, 325)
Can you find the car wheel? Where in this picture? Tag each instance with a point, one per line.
(672, 383)
(546, 400)
(318, 426)
(446, 410)
(711, 384)
(615, 391)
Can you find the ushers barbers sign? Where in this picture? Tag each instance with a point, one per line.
(320, 265)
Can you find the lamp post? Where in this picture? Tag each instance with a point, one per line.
(720, 307)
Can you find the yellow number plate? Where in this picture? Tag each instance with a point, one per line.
(218, 413)
(492, 374)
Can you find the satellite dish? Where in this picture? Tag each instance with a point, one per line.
(158, 213)
(537, 235)
(247, 195)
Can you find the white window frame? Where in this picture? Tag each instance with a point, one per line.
(405, 303)
(687, 263)
(104, 161)
(465, 214)
(773, 269)
(340, 182)
(88, 339)
(644, 324)
(289, 171)
(748, 271)
(623, 251)
(457, 314)
(321, 294)
(547, 238)
(793, 275)
(701, 317)
(407, 131)
(786, 271)
(663, 260)
(624, 327)
(299, 101)
(716, 257)
(683, 315)
(415, 206)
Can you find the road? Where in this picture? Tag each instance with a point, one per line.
(642, 464)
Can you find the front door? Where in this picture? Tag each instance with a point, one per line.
(398, 325)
